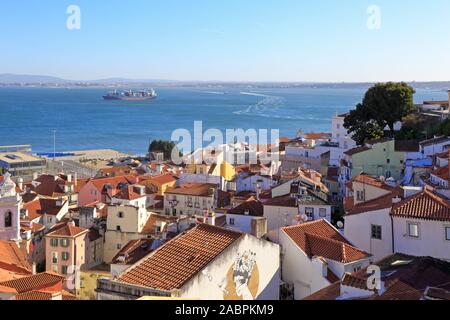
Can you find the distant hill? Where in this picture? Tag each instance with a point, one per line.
(27, 78)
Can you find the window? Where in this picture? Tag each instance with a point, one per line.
(118, 228)
(309, 212)
(231, 221)
(54, 242)
(388, 160)
(64, 243)
(64, 270)
(54, 257)
(8, 219)
(120, 214)
(413, 230)
(119, 246)
(65, 256)
(322, 212)
(447, 233)
(357, 268)
(360, 195)
(376, 232)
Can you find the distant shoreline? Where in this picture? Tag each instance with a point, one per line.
(439, 86)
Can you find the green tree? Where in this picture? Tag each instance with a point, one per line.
(362, 130)
(164, 147)
(383, 105)
(444, 127)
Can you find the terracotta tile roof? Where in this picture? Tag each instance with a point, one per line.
(356, 150)
(33, 227)
(193, 189)
(328, 293)
(12, 258)
(39, 207)
(319, 238)
(442, 173)
(67, 230)
(331, 277)
(128, 193)
(49, 185)
(436, 102)
(251, 205)
(134, 251)
(33, 282)
(405, 278)
(178, 260)
(283, 201)
(407, 146)
(315, 136)
(163, 179)
(383, 202)
(34, 295)
(114, 182)
(425, 205)
(354, 281)
(372, 181)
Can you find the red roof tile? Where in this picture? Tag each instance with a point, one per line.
(319, 238)
(252, 206)
(425, 205)
(283, 201)
(442, 173)
(178, 260)
(193, 189)
(33, 282)
(12, 258)
(67, 230)
(383, 202)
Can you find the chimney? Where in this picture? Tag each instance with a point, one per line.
(69, 178)
(258, 191)
(71, 223)
(75, 178)
(33, 268)
(20, 184)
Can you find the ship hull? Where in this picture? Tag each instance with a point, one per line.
(127, 98)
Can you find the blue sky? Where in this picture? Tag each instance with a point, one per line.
(229, 40)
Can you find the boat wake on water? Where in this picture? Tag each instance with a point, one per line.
(267, 107)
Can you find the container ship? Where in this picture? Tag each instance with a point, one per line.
(131, 95)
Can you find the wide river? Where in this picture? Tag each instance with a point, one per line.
(82, 119)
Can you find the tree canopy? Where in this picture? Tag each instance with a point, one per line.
(162, 146)
(383, 105)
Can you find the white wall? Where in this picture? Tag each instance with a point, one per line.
(278, 217)
(316, 211)
(298, 269)
(242, 223)
(209, 283)
(358, 231)
(431, 241)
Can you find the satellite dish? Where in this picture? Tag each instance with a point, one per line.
(304, 217)
(340, 224)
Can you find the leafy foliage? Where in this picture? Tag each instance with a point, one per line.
(383, 105)
(164, 147)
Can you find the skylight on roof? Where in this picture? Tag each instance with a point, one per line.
(401, 262)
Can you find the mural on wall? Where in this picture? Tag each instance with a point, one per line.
(242, 280)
